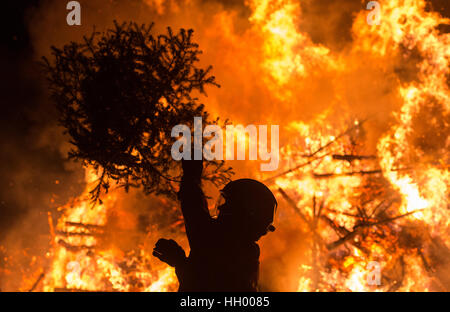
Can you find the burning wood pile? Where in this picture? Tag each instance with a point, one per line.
(86, 253)
(358, 222)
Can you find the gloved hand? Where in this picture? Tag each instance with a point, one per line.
(168, 251)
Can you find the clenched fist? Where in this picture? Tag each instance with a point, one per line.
(168, 251)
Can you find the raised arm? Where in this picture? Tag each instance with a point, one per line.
(197, 219)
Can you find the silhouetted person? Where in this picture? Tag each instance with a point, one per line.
(224, 254)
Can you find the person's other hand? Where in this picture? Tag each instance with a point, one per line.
(168, 251)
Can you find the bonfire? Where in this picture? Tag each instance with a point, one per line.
(362, 191)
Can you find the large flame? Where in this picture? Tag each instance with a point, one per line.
(416, 169)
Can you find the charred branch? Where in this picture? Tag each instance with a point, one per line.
(344, 174)
(351, 158)
(38, 280)
(312, 156)
(74, 248)
(94, 227)
(358, 229)
(68, 234)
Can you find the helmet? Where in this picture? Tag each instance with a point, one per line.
(250, 201)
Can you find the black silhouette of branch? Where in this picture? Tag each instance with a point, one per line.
(120, 93)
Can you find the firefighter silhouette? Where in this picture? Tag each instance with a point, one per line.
(224, 254)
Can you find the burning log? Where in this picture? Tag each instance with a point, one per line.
(350, 235)
(349, 130)
(342, 232)
(74, 248)
(312, 156)
(358, 229)
(39, 279)
(352, 173)
(68, 234)
(351, 158)
(335, 175)
(95, 227)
